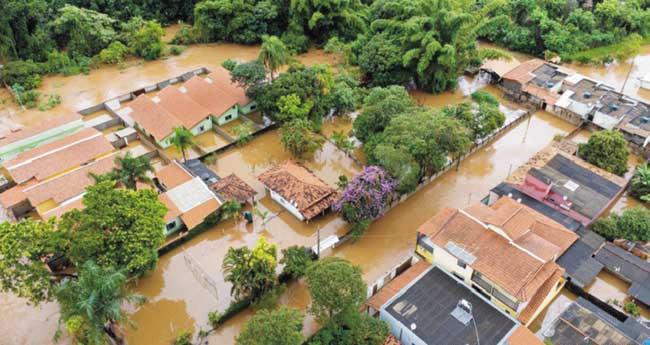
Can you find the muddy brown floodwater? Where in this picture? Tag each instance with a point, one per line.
(188, 282)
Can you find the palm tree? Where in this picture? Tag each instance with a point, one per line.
(129, 170)
(273, 53)
(91, 306)
(182, 140)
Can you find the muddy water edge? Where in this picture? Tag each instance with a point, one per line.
(177, 298)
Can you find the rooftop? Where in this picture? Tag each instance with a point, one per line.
(429, 301)
(209, 95)
(232, 187)
(637, 120)
(40, 128)
(586, 91)
(584, 323)
(500, 66)
(182, 106)
(628, 266)
(518, 257)
(578, 262)
(57, 156)
(153, 118)
(299, 186)
(220, 77)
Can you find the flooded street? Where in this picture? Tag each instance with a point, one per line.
(179, 295)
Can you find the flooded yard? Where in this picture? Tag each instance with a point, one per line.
(210, 141)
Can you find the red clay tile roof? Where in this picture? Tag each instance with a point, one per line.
(397, 284)
(298, 185)
(13, 196)
(221, 78)
(523, 73)
(210, 96)
(58, 156)
(196, 215)
(508, 265)
(70, 184)
(501, 66)
(182, 106)
(527, 314)
(541, 93)
(173, 175)
(172, 210)
(42, 127)
(232, 187)
(523, 336)
(153, 118)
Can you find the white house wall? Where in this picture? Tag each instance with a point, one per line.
(287, 205)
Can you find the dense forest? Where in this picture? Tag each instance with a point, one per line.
(392, 41)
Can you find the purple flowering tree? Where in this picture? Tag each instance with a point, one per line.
(365, 198)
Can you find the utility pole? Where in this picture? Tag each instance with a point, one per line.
(318, 244)
(628, 74)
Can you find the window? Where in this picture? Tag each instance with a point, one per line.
(228, 117)
(171, 225)
(513, 304)
(253, 107)
(461, 263)
(202, 128)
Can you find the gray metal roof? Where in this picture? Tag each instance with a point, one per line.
(429, 302)
(629, 267)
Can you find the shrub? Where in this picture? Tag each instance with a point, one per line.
(185, 35)
(176, 50)
(606, 150)
(484, 97)
(296, 260)
(26, 73)
(632, 309)
(640, 183)
(29, 99)
(52, 101)
(184, 338)
(632, 224)
(269, 299)
(114, 53)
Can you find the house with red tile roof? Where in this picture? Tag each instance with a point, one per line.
(188, 199)
(220, 77)
(298, 190)
(221, 103)
(507, 251)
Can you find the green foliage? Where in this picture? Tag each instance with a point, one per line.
(185, 35)
(28, 99)
(94, 301)
(145, 38)
(484, 97)
(640, 183)
(130, 170)
(251, 272)
(359, 329)
(183, 338)
(25, 73)
(321, 20)
(22, 246)
(481, 119)
(399, 164)
(622, 50)
(244, 133)
(273, 54)
(230, 209)
(379, 107)
(278, 327)
(118, 228)
(296, 260)
(269, 300)
(182, 140)
(632, 309)
(298, 138)
(114, 53)
(216, 319)
(83, 32)
(250, 75)
(24, 31)
(52, 101)
(176, 50)
(633, 224)
(342, 141)
(336, 289)
(607, 150)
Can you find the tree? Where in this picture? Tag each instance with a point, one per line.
(251, 272)
(130, 170)
(91, 306)
(118, 228)
(230, 209)
(379, 107)
(336, 289)
(607, 150)
(277, 327)
(249, 75)
(23, 245)
(296, 260)
(82, 31)
(365, 198)
(380, 60)
(640, 183)
(322, 20)
(145, 38)
(481, 119)
(27, 74)
(114, 53)
(182, 139)
(299, 139)
(633, 224)
(400, 165)
(273, 54)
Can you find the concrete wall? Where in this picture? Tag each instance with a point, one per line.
(604, 120)
(228, 116)
(287, 205)
(178, 224)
